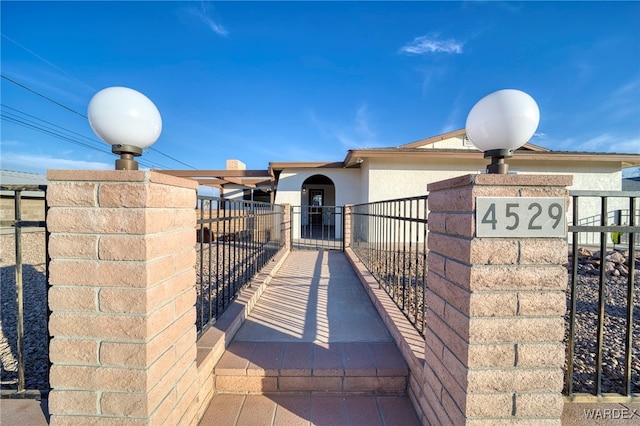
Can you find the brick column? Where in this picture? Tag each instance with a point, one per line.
(122, 298)
(346, 232)
(494, 348)
(286, 225)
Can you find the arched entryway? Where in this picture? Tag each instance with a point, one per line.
(320, 218)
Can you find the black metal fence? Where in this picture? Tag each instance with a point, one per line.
(390, 238)
(24, 338)
(235, 240)
(317, 227)
(603, 332)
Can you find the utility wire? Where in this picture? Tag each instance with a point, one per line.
(41, 95)
(174, 159)
(34, 126)
(83, 115)
(100, 143)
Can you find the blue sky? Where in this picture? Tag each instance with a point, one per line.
(306, 81)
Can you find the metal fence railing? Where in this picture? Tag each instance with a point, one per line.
(390, 238)
(235, 240)
(603, 334)
(24, 338)
(315, 228)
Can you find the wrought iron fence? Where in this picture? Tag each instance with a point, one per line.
(603, 333)
(390, 238)
(317, 227)
(24, 338)
(235, 240)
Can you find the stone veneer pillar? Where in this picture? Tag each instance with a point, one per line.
(122, 298)
(347, 233)
(286, 225)
(494, 348)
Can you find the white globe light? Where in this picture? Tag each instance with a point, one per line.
(506, 119)
(123, 116)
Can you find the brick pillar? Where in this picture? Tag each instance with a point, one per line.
(346, 232)
(122, 298)
(286, 225)
(494, 348)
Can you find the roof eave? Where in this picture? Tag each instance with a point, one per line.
(627, 160)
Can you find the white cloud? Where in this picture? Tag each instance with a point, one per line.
(40, 163)
(623, 102)
(359, 133)
(626, 146)
(431, 44)
(203, 14)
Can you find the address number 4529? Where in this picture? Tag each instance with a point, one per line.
(521, 216)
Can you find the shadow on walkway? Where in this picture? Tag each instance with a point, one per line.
(313, 351)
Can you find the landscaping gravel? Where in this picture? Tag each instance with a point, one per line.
(36, 338)
(615, 323)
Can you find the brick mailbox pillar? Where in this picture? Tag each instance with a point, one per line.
(494, 348)
(122, 296)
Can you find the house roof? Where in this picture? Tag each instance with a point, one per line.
(456, 134)
(423, 148)
(10, 177)
(219, 178)
(528, 151)
(31, 184)
(354, 157)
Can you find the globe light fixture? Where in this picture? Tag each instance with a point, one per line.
(500, 123)
(127, 120)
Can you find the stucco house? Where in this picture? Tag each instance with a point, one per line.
(367, 175)
(375, 174)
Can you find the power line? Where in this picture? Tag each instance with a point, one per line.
(16, 119)
(61, 136)
(84, 116)
(41, 95)
(174, 159)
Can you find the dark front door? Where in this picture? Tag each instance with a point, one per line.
(316, 201)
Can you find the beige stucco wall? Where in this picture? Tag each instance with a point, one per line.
(346, 181)
(391, 178)
(347, 184)
(407, 177)
(456, 142)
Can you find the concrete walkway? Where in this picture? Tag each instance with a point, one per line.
(315, 297)
(313, 321)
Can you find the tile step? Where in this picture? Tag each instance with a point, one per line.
(336, 368)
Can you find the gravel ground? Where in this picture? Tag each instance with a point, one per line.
(36, 339)
(36, 347)
(614, 334)
(212, 297)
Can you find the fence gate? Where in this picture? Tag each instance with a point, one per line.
(317, 227)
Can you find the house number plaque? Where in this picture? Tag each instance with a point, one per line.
(520, 217)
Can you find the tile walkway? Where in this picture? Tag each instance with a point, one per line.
(314, 321)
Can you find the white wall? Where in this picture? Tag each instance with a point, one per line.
(346, 181)
(347, 189)
(384, 179)
(407, 177)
